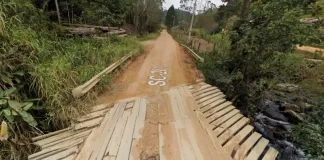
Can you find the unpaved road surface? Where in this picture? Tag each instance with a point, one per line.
(164, 65)
(165, 54)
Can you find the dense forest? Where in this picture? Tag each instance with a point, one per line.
(41, 62)
(250, 53)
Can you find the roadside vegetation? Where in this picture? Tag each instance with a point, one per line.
(40, 63)
(253, 60)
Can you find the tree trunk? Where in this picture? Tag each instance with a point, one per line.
(69, 14)
(72, 14)
(58, 12)
(192, 19)
(245, 9)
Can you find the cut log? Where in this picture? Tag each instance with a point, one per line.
(103, 28)
(82, 31)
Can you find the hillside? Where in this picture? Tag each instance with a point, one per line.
(182, 15)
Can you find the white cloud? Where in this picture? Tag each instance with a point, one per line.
(176, 3)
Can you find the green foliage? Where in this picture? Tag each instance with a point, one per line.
(171, 18)
(257, 40)
(149, 36)
(224, 12)
(38, 70)
(103, 12)
(310, 134)
(198, 32)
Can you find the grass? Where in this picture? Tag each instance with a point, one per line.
(150, 36)
(74, 62)
(54, 65)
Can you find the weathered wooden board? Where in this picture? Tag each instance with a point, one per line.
(247, 145)
(126, 142)
(271, 154)
(257, 149)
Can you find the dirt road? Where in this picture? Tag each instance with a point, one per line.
(141, 78)
(310, 49)
(164, 65)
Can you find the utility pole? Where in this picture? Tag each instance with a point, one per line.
(192, 19)
(58, 12)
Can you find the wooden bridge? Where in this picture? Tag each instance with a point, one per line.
(193, 122)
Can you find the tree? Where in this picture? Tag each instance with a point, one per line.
(58, 12)
(225, 12)
(271, 27)
(171, 18)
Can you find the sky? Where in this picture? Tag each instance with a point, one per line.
(176, 3)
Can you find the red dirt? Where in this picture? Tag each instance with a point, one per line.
(162, 52)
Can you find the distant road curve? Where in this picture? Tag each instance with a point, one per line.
(309, 48)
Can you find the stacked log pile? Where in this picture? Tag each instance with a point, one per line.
(96, 31)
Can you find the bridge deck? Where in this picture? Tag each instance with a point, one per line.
(186, 122)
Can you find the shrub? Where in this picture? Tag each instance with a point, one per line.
(310, 134)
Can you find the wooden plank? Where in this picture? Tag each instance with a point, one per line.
(190, 132)
(103, 140)
(101, 107)
(63, 154)
(208, 92)
(208, 97)
(76, 136)
(50, 134)
(247, 145)
(88, 124)
(224, 118)
(186, 147)
(139, 127)
(204, 104)
(238, 138)
(271, 154)
(70, 157)
(175, 110)
(92, 139)
(195, 85)
(113, 145)
(219, 130)
(199, 94)
(126, 142)
(200, 88)
(224, 137)
(219, 114)
(55, 138)
(55, 149)
(180, 103)
(187, 91)
(140, 122)
(202, 144)
(169, 141)
(257, 149)
(213, 105)
(188, 126)
(44, 155)
(93, 115)
(217, 146)
(217, 108)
